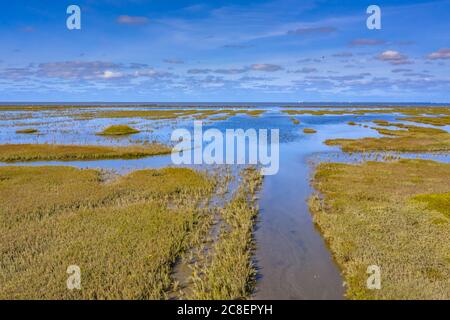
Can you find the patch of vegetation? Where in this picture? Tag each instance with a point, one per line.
(413, 139)
(27, 131)
(367, 217)
(254, 113)
(49, 152)
(295, 121)
(435, 121)
(229, 272)
(351, 123)
(411, 111)
(382, 123)
(438, 202)
(221, 118)
(309, 131)
(125, 235)
(118, 130)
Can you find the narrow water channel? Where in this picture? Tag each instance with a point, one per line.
(292, 257)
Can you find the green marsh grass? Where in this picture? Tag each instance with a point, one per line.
(229, 272)
(125, 234)
(382, 123)
(410, 139)
(410, 111)
(435, 121)
(49, 152)
(390, 214)
(438, 202)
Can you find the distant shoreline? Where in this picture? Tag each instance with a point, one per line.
(230, 104)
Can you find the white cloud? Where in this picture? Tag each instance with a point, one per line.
(312, 30)
(440, 54)
(393, 57)
(111, 74)
(132, 20)
(75, 69)
(367, 42)
(265, 67)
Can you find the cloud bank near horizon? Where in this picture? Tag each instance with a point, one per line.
(279, 50)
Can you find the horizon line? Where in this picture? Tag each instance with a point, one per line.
(217, 102)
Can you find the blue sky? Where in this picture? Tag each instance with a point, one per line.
(225, 51)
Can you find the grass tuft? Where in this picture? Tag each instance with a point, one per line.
(309, 131)
(27, 131)
(295, 121)
(438, 202)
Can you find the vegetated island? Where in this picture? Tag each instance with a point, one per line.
(406, 138)
(27, 131)
(309, 131)
(53, 152)
(118, 130)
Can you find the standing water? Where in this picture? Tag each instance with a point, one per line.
(292, 257)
